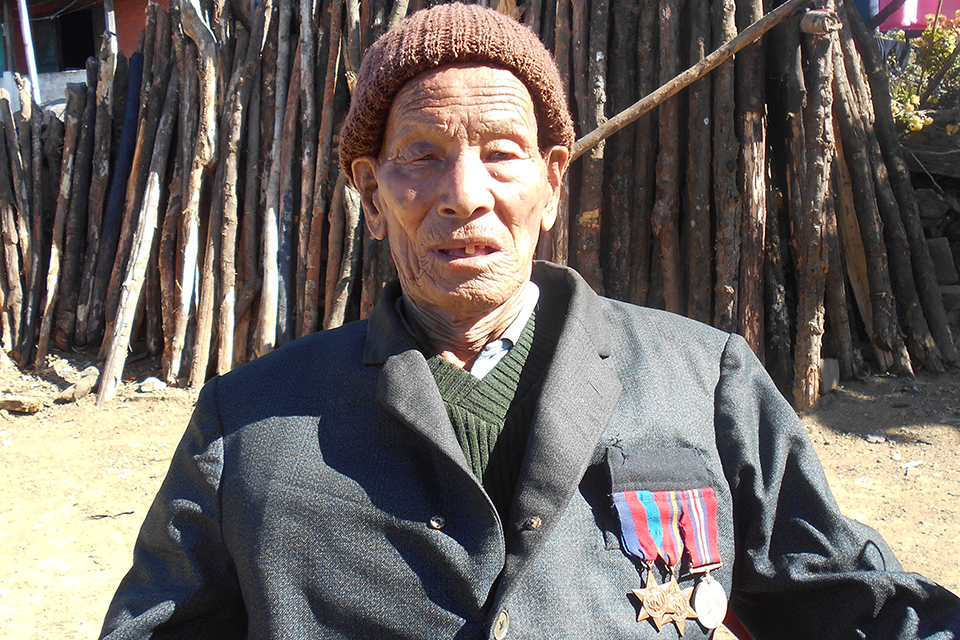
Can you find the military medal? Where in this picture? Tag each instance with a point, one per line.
(698, 524)
(654, 602)
(650, 527)
(679, 603)
(662, 525)
(710, 602)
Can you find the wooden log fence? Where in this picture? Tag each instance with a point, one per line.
(190, 200)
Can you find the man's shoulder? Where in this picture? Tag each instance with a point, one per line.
(629, 330)
(307, 362)
(656, 325)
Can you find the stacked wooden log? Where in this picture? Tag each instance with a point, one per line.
(197, 208)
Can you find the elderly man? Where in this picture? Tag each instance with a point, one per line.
(498, 451)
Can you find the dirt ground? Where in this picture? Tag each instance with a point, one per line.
(77, 479)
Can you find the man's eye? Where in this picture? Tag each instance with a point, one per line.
(420, 158)
(499, 156)
(417, 154)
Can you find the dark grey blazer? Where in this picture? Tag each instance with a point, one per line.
(320, 492)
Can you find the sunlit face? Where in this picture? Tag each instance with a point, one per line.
(461, 188)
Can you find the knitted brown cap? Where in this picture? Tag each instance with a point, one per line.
(450, 34)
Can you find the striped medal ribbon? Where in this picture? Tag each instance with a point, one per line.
(662, 524)
(698, 523)
(650, 529)
(650, 525)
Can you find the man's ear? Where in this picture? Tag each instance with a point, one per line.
(365, 178)
(556, 158)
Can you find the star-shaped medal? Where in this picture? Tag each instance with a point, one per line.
(678, 602)
(654, 601)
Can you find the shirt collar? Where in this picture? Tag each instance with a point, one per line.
(531, 295)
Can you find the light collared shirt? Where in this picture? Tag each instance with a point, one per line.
(495, 350)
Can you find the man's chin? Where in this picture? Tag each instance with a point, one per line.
(473, 297)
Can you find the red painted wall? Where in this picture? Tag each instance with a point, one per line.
(130, 18)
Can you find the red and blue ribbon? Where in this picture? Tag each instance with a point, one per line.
(663, 523)
(698, 523)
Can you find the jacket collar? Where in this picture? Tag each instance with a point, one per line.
(387, 336)
(386, 333)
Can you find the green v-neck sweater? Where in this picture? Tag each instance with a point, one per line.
(491, 416)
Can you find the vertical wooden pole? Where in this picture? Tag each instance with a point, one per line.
(270, 295)
(286, 254)
(248, 272)
(835, 296)
(246, 77)
(809, 226)
(248, 275)
(99, 183)
(335, 248)
(590, 37)
(751, 113)
(666, 209)
(32, 319)
(696, 228)
(76, 99)
(560, 234)
(308, 156)
(726, 194)
(791, 91)
(618, 201)
(199, 31)
(13, 298)
(73, 244)
(28, 218)
(645, 158)
(315, 276)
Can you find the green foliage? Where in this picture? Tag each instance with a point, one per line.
(928, 55)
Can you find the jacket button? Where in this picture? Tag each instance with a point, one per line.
(437, 522)
(501, 626)
(533, 523)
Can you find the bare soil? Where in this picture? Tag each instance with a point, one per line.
(77, 480)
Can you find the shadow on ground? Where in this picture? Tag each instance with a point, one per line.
(892, 408)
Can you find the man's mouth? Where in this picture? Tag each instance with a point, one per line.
(468, 251)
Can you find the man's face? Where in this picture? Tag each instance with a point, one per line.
(460, 188)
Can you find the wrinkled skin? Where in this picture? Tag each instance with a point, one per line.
(462, 190)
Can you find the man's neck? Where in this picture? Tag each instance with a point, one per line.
(459, 339)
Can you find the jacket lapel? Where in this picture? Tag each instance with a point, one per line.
(579, 394)
(407, 390)
(405, 387)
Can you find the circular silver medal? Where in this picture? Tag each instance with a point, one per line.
(710, 602)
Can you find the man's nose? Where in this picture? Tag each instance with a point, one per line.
(465, 188)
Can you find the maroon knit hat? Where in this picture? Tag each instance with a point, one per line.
(449, 34)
